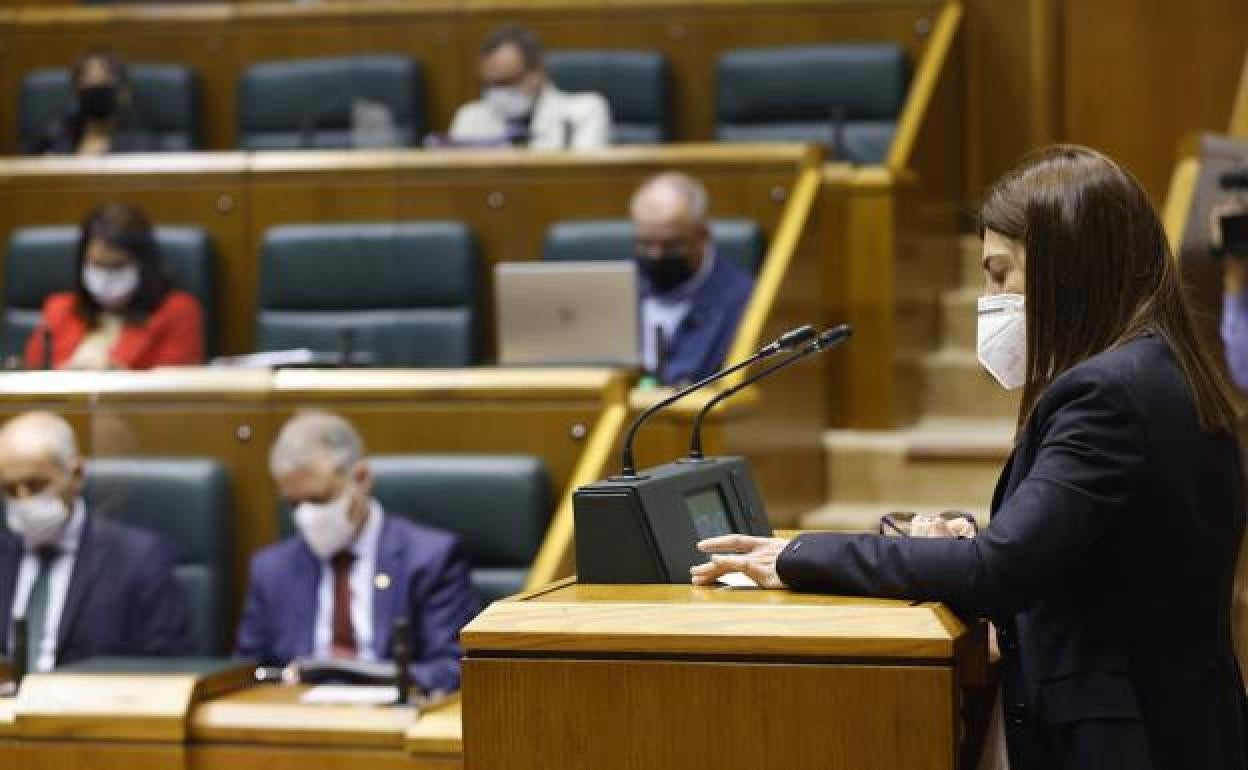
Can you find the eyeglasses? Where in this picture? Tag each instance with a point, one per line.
(910, 524)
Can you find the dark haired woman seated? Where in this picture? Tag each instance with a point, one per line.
(124, 313)
(103, 119)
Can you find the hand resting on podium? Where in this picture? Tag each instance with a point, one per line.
(753, 556)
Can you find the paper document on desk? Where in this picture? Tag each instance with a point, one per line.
(350, 695)
(737, 580)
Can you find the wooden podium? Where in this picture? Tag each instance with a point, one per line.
(673, 676)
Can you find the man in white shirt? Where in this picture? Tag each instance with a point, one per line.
(519, 105)
(86, 585)
(335, 589)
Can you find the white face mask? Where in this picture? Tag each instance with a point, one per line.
(325, 527)
(37, 519)
(1002, 338)
(512, 102)
(111, 286)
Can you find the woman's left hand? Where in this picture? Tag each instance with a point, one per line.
(753, 556)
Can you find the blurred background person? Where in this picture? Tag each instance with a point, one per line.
(335, 589)
(692, 300)
(1229, 240)
(103, 119)
(520, 106)
(124, 313)
(87, 586)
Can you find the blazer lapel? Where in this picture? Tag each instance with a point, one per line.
(90, 559)
(386, 589)
(10, 563)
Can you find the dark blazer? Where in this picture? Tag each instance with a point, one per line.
(701, 340)
(63, 135)
(429, 581)
(1107, 568)
(122, 599)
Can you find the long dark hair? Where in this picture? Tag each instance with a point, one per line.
(1099, 273)
(125, 228)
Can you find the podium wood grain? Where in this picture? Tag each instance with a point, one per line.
(603, 677)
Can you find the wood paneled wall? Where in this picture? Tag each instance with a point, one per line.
(1129, 77)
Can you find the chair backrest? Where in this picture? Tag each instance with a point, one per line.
(310, 102)
(811, 93)
(581, 240)
(637, 85)
(498, 505)
(166, 102)
(407, 292)
(188, 501)
(41, 261)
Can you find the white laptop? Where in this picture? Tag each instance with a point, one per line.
(567, 313)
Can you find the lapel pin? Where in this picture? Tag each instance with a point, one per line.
(381, 581)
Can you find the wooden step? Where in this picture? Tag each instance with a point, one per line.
(953, 384)
(935, 463)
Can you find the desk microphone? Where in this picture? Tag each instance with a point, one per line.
(831, 338)
(788, 341)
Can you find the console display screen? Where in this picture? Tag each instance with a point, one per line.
(708, 511)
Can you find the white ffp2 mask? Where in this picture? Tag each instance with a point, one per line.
(110, 286)
(1001, 338)
(37, 519)
(512, 102)
(325, 526)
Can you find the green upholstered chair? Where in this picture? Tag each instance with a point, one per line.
(188, 501)
(406, 292)
(637, 85)
(309, 103)
(847, 96)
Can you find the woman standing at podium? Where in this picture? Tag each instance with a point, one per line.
(1107, 567)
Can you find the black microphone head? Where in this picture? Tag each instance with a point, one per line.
(791, 340)
(833, 336)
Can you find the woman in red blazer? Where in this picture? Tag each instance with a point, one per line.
(124, 313)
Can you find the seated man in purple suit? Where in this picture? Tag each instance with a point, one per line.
(336, 589)
(87, 586)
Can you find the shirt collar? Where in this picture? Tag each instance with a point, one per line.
(686, 290)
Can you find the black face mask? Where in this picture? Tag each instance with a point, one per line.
(98, 102)
(666, 272)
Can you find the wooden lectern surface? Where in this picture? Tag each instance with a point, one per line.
(627, 676)
(573, 618)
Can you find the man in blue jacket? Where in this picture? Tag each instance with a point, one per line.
(335, 589)
(692, 300)
(87, 586)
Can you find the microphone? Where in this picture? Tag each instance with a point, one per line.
(787, 341)
(828, 339)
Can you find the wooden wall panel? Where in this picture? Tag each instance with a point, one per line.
(1138, 75)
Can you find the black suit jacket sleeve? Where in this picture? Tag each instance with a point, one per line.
(1090, 454)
